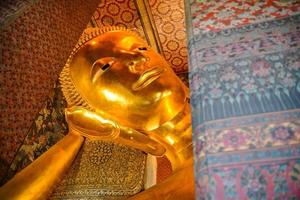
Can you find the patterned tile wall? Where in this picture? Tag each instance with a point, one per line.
(245, 94)
(9, 10)
(169, 19)
(48, 128)
(118, 13)
(34, 47)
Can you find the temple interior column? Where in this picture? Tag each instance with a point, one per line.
(245, 97)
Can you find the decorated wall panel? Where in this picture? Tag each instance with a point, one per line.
(9, 10)
(118, 13)
(34, 46)
(49, 127)
(244, 82)
(169, 19)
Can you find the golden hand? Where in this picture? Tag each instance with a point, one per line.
(94, 126)
(90, 124)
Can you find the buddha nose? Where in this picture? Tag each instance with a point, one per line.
(136, 61)
(137, 66)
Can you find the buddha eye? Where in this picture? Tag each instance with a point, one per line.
(143, 48)
(100, 66)
(104, 67)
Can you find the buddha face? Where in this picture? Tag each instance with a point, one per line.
(122, 78)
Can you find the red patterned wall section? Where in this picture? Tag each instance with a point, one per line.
(34, 47)
(170, 23)
(118, 13)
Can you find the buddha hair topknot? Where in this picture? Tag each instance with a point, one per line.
(69, 90)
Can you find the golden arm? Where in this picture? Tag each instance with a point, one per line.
(96, 127)
(38, 180)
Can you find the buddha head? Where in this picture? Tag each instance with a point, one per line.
(114, 73)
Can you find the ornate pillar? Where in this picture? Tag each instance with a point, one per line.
(245, 94)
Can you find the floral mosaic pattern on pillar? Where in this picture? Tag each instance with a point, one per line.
(245, 96)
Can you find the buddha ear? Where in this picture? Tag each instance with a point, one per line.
(91, 124)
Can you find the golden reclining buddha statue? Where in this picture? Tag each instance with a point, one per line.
(118, 89)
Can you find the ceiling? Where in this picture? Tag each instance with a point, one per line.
(160, 22)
